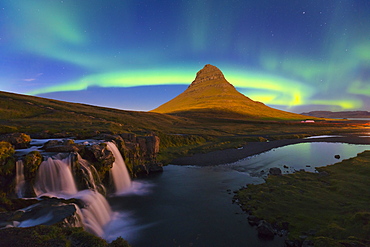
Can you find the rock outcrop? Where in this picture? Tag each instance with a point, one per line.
(60, 212)
(18, 140)
(67, 145)
(139, 152)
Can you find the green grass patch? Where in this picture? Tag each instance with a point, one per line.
(331, 206)
(54, 236)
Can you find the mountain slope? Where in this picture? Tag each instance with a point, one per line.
(210, 91)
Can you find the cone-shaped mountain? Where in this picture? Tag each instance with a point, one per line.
(210, 91)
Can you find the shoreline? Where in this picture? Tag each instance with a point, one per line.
(226, 156)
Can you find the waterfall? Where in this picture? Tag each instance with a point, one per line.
(119, 172)
(55, 176)
(19, 188)
(96, 213)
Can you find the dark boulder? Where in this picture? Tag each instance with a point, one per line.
(63, 146)
(293, 243)
(275, 171)
(253, 220)
(265, 230)
(337, 156)
(58, 211)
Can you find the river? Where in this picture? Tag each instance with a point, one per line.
(192, 205)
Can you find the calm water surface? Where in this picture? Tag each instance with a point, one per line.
(192, 206)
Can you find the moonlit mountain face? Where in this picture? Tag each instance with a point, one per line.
(211, 94)
(291, 55)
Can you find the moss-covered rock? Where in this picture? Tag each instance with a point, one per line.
(18, 140)
(6, 151)
(7, 167)
(119, 242)
(31, 161)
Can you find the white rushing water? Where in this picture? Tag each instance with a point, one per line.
(120, 175)
(55, 176)
(19, 179)
(96, 213)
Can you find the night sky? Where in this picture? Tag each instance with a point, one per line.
(295, 55)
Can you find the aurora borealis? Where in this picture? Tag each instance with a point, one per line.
(292, 55)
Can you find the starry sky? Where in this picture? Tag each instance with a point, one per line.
(294, 55)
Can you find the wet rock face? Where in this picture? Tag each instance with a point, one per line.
(149, 146)
(100, 156)
(141, 153)
(152, 143)
(58, 211)
(18, 140)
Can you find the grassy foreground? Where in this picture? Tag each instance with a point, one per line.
(329, 208)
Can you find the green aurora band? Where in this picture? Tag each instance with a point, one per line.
(310, 54)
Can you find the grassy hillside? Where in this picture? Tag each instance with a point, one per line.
(192, 132)
(33, 114)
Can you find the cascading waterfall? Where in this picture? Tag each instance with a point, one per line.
(120, 175)
(19, 188)
(54, 176)
(96, 213)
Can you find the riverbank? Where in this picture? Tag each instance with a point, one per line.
(328, 208)
(253, 148)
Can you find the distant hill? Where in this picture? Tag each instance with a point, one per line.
(212, 95)
(340, 114)
(32, 114)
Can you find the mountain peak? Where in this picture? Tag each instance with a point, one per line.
(208, 73)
